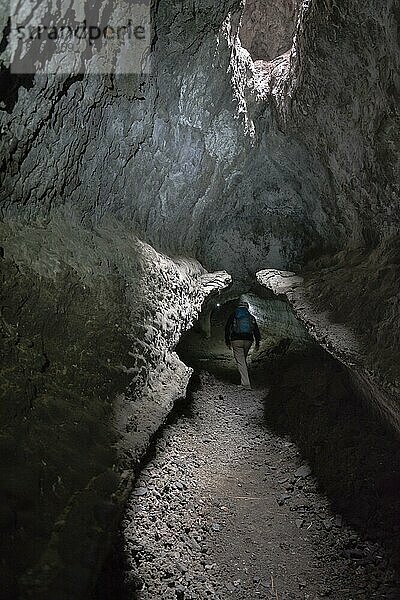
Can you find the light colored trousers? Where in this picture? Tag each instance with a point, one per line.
(240, 351)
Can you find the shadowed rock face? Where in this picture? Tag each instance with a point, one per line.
(90, 321)
(211, 157)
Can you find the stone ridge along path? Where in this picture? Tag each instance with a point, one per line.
(228, 509)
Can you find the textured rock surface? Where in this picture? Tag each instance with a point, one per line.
(366, 355)
(86, 316)
(241, 166)
(188, 144)
(170, 146)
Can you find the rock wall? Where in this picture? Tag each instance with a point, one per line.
(259, 166)
(188, 144)
(336, 92)
(241, 166)
(366, 347)
(276, 320)
(343, 106)
(90, 320)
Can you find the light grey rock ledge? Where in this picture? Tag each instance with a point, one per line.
(337, 339)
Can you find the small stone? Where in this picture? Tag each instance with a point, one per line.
(140, 491)
(282, 499)
(180, 593)
(303, 472)
(299, 523)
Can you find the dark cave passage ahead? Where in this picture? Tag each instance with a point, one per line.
(203, 347)
(354, 455)
(308, 405)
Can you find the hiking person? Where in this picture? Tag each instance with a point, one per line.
(240, 332)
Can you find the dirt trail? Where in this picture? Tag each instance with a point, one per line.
(227, 509)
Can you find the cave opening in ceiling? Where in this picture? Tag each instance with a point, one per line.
(268, 27)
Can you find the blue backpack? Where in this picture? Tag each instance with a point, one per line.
(242, 321)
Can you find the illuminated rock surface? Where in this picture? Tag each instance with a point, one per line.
(289, 163)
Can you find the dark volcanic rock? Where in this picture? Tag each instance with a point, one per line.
(289, 162)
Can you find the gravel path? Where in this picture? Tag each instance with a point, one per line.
(227, 509)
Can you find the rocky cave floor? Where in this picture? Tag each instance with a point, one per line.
(226, 507)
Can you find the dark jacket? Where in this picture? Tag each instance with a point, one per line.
(230, 335)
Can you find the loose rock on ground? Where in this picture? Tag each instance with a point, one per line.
(227, 509)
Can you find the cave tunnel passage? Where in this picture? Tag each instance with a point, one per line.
(203, 347)
(268, 27)
(288, 491)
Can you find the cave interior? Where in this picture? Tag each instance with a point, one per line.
(258, 160)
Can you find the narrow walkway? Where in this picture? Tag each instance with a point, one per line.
(227, 509)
